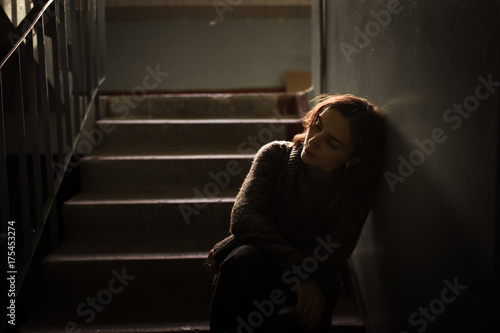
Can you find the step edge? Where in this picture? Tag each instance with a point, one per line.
(174, 201)
(353, 320)
(58, 257)
(168, 157)
(194, 326)
(198, 94)
(165, 121)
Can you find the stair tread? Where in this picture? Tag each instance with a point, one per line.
(199, 136)
(177, 196)
(120, 315)
(131, 155)
(144, 149)
(105, 251)
(194, 106)
(207, 121)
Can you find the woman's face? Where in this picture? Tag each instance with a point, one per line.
(328, 141)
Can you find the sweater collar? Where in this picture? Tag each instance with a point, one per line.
(315, 175)
(320, 177)
(295, 166)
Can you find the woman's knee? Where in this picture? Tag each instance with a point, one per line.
(245, 260)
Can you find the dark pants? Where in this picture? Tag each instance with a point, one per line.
(250, 297)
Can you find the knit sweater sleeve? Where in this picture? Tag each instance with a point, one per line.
(251, 214)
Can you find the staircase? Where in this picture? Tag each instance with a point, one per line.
(156, 196)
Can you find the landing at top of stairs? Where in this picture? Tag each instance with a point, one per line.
(198, 106)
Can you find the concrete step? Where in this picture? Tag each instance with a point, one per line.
(204, 174)
(162, 136)
(181, 224)
(76, 271)
(179, 195)
(119, 316)
(192, 106)
(138, 292)
(127, 316)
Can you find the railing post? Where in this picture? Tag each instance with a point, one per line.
(74, 55)
(47, 137)
(4, 184)
(52, 29)
(62, 30)
(32, 126)
(40, 121)
(24, 197)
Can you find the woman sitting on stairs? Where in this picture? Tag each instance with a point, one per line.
(296, 221)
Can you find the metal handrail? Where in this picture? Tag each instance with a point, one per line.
(46, 96)
(23, 29)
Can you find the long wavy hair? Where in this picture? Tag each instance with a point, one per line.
(367, 133)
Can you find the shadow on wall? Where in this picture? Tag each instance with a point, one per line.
(430, 273)
(425, 259)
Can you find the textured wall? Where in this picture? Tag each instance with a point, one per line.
(233, 54)
(434, 66)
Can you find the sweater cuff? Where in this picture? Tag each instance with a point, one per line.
(222, 248)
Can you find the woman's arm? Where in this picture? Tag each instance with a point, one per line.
(251, 215)
(252, 210)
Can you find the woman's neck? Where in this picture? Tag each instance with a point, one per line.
(316, 175)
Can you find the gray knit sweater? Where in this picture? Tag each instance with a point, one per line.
(283, 207)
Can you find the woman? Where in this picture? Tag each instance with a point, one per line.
(296, 221)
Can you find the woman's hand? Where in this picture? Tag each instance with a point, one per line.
(310, 304)
(210, 264)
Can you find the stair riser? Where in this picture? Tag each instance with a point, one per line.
(184, 138)
(174, 227)
(218, 106)
(207, 177)
(171, 280)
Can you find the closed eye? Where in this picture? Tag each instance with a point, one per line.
(333, 142)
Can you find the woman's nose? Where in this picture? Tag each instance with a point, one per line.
(313, 142)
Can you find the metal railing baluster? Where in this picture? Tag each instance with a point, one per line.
(63, 49)
(45, 116)
(32, 125)
(4, 184)
(41, 119)
(75, 54)
(57, 101)
(23, 180)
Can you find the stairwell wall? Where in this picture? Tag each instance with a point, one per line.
(233, 54)
(426, 260)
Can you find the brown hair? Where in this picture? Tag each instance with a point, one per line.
(367, 130)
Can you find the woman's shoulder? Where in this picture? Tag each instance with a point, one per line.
(273, 154)
(276, 147)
